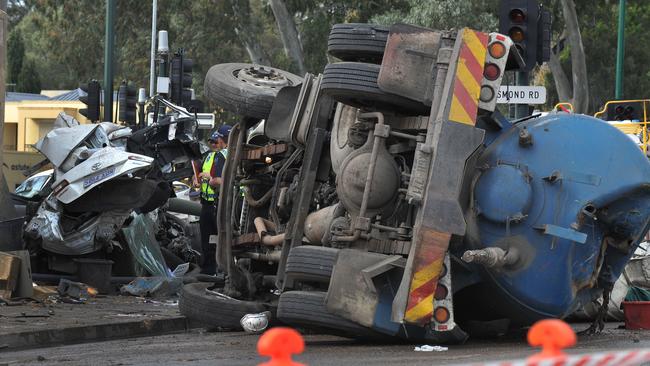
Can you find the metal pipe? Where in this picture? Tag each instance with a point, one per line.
(492, 257)
(378, 140)
(257, 203)
(274, 256)
(385, 228)
(152, 65)
(404, 135)
(620, 50)
(274, 199)
(261, 226)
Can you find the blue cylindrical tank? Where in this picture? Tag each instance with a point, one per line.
(568, 198)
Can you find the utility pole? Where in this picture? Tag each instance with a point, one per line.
(108, 61)
(620, 50)
(7, 210)
(152, 65)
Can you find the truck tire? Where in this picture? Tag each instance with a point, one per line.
(306, 309)
(246, 89)
(212, 310)
(311, 263)
(355, 84)
(358, 42)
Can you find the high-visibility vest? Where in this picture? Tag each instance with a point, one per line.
(207, 192)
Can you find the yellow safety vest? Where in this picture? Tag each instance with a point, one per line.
(207, 192)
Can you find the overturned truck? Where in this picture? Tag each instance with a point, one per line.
(388, 196)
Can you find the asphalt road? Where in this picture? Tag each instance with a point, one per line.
(234, 349)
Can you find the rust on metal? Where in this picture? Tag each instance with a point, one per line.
(262, 152)
(248, 239)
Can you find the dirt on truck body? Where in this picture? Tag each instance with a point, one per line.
(388, 197)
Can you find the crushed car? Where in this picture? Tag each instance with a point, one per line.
(104, 175)
(388, 197)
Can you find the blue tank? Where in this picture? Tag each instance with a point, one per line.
(566, 199)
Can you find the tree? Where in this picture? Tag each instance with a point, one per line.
(247, 29)
(577, 91)
(289, 35)
(28, 80)
(15, 55)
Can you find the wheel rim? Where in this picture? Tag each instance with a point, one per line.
(262, 76)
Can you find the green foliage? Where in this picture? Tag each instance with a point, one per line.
(64, 38)
(15, 55)
(28, 80)
(445, 14)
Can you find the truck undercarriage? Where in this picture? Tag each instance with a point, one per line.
(388, 197)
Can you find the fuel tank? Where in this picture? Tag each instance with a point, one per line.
(567, 199)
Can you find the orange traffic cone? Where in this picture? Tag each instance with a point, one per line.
(279, 344)
(553, 335)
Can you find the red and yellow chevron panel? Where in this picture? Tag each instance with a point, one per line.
(427, 266)
(469, 74)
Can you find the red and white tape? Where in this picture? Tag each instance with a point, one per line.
(636, 357)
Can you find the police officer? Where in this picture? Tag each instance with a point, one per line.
(210, 179)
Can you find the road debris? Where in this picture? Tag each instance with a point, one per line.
(428, 348)
(76, 290)
(255, 323)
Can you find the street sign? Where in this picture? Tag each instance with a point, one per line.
(509, 94)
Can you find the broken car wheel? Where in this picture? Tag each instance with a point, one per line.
(310, 263)
(246, 89)
(213, 309)
(355, 84)
(358, 42)
(306, 309)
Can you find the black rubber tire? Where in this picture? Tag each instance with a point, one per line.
(214, 311)
(355, 84)
(311, 263)
(358, 42)
(306, 309)
(225, 85)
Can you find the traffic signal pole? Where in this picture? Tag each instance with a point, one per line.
(108, 61)
(521, 79)
(620, 50)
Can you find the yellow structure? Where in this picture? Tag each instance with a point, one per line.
(28, 117)
(639, 128)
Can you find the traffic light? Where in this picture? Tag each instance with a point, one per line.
(181, 79)
(128, 99)
(91, 100)
(519, 20)
(625, 111)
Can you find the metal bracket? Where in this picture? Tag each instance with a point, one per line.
(385, 265)
(382, 131)
(563, 233)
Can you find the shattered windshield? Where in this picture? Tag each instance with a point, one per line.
(32, 186)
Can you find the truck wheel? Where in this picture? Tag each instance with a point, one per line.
(358, 42)
(306, 309)
(355, 84)
(310, 263)
(246, 89)
(213, 310)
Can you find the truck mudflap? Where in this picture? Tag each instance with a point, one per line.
(451, 140)
(363, 287)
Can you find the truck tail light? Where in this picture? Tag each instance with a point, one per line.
(495, 64)
(491, 72)
(487, 94)
(443, 312)
(497, 49)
